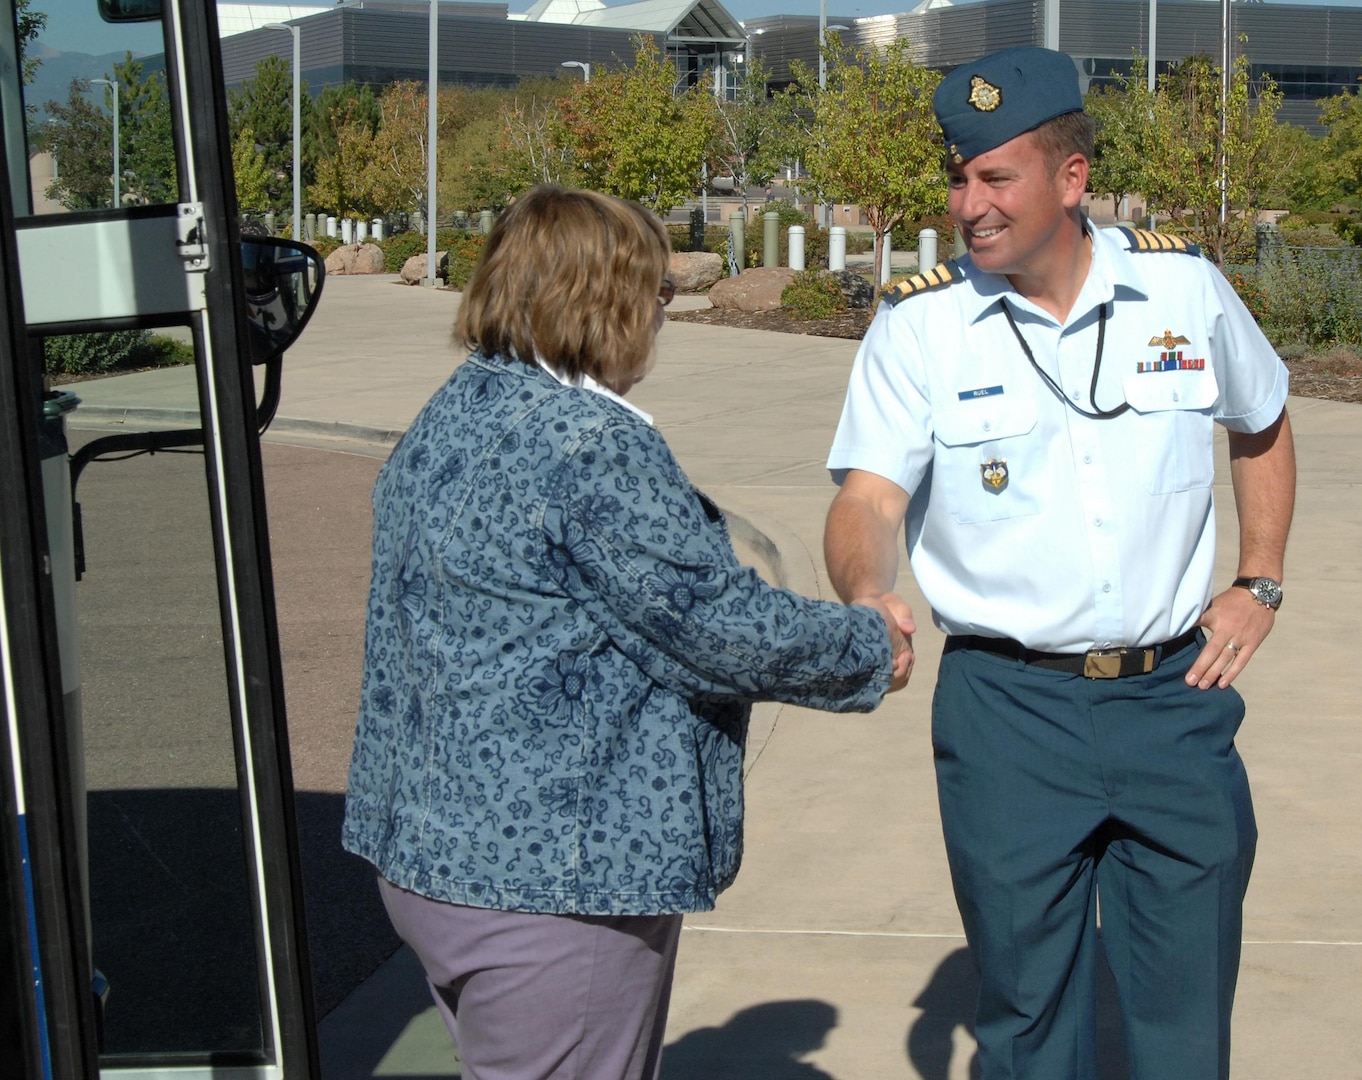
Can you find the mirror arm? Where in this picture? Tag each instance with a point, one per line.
(269, 395)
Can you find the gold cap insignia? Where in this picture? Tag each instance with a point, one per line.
(983, 95)
(956, 157)
(994, 474)
(1169, 340)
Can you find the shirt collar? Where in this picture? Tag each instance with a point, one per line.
(586, 382)
(1112, 273)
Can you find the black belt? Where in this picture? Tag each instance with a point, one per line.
(1095, 664)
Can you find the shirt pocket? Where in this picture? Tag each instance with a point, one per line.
(1174, 445)
(988, 465)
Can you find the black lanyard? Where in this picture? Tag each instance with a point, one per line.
(1096, 414)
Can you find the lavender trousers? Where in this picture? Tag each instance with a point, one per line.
(544, 997)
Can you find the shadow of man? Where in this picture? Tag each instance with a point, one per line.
(948, 1002)
(764, 1041)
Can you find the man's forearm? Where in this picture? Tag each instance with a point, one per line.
(860, 546)
(1263, 471)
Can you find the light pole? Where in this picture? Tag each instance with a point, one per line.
(586, 68)
(433, 76)
(297, 32)
(824, 209)
(112, 84)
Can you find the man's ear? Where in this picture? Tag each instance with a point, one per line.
(1073, 177)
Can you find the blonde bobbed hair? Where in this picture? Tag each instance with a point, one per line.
(570, 275)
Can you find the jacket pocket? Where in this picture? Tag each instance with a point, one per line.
(988, 465)
(1174, 450)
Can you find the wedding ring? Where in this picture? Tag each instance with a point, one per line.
(1232, 647)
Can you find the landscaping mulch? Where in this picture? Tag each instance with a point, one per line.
(1331, 375)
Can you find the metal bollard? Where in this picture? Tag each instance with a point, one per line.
(361, 231)
(380, 230)
(738, 232)
(885, 253)
(485, 221)
(770, 239)
(926, 249)
(331, 226)
(347, 231)
(837, 248)
(796, 247)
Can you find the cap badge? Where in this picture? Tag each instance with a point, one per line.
(994, 474)
(983, 95)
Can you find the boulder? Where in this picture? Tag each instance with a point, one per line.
(757, 289)
(414, 269)
(858, 291)
(695, 271)
(369, 259)
(342, 260)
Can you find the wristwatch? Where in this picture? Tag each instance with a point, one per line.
(1266, 591)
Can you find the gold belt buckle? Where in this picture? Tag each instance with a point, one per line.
(1102, 664)
(1108, 663)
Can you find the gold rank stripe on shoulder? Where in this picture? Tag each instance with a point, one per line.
(1148, 240)
(935, 278)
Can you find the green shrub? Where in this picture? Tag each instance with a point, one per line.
(324, 245)
(813, 294)
(1246, 285)
(99, 354)
(905, 234)
(463, 257)
(1313, 297)
(398, 249)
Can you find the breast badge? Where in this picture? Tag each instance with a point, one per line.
(994, 475)
(1171, 357)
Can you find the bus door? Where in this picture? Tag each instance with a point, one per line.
(150, 895)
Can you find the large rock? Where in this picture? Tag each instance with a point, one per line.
(758, 289)
(858, 291)
(369, 259)
(695, 271)
(342, 259)
(414, 269)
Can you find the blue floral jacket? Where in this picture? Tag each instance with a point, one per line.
(561, 651)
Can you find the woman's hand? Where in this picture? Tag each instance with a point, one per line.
(899, 623)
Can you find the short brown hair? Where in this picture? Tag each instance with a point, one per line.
(1065, 135)
(571, 275)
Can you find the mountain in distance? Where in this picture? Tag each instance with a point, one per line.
(52, 82)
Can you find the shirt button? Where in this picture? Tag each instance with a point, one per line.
(988, 426)
(1087, 459)
(1073, 394)
(1106, 587)
(1097, 522)
(1175, 396)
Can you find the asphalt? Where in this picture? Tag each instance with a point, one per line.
(838, 954)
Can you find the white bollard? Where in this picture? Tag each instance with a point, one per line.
(361, 231)
(926, 249)
(837, 248)
(378, 230)
(330, 226)
(796, 247)
(885, 252)
(347, 231)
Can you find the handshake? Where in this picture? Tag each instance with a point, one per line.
(898, 621)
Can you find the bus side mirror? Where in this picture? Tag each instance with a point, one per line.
(117, 11)
(283, 284)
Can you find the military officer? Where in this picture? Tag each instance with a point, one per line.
(1038, 418)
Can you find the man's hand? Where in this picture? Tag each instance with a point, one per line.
(899, 623)
(1235, 626)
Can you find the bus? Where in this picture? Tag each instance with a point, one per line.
(149, 874)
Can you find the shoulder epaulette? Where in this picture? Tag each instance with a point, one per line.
(1147, 240)
(937, 277)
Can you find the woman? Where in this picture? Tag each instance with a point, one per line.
(561, 652)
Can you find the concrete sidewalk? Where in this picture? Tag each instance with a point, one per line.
(839, 952)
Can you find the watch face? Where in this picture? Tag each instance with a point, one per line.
(1267, 591)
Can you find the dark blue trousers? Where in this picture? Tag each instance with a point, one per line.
(1059, 793)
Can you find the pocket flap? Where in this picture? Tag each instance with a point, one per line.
(1157, 391)
(981, 421)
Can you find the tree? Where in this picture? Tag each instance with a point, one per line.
(251, 172)
(344, 183)
(1185, 155)
(874, 139)
(81, 137)
(398, 164)
(538, 146)
(265, 105)
(30, 24)
(1121, 114)
(1342, 145)
(753, 132)
(636, 139)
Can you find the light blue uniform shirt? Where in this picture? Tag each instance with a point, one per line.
(1026, 519)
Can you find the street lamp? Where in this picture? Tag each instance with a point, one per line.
(433, 77)
(586, 68)
(297, 32)
(112, 84)
(824, 209)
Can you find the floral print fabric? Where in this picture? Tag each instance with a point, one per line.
(561, 652)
